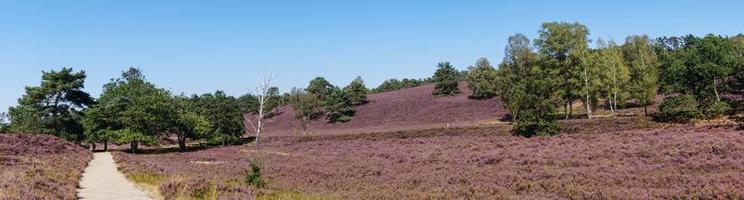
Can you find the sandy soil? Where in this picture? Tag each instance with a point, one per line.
(102, 180)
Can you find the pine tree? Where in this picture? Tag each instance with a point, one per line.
(338, 106)
(358, 91)
(445, 80)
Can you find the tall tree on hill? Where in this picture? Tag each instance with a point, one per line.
(614, 74)
(55, 107)
(320, 87)
(482, 80)
(562, 45)
(445, 80)
(358, 91)
(643, 64)
(306, 107)
(134, 111)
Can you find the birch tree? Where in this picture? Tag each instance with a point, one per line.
(643, 64)
(614, 73)
(263, 94)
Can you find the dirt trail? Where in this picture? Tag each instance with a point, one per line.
(101, 180)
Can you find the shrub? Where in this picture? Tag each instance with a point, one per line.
(681, 109)
(531, 125)
(717, 109)
(253, 175)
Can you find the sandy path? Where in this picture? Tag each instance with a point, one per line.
(101, 180)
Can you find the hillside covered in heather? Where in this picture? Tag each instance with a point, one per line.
(410, 108)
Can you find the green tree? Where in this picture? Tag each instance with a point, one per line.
(395, 84)
(482, 80)
(223, 113)
(445, 80)
(737, 82)
(55, 107)
(338, 106)
(562, 46)
(537, 104)
(358, 91)
(306, 107)
(519, 59)
(320, 87)
(134, 110)
(4, 125)
(614, 74)
(188, 124)
(643, 64)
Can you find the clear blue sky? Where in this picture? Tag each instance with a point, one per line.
(195, 47)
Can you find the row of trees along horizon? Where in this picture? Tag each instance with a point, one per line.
(533, 81)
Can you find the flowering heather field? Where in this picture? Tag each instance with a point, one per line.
(40, 167)
(599, 160)
(411, 108)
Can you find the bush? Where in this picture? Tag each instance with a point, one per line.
(253, 175)
(681, 109)
(528, 126)
(717, 109)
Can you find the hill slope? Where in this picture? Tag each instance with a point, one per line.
(410, 108)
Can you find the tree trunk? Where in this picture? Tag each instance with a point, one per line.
(565, 109)
(93, 146)
(588, 107)
(105, 145)
(715, 89)
(182, 142)
(133, 146)
(645, 109)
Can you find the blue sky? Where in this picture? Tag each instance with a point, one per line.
(198, 47)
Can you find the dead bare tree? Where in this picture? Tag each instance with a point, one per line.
(263, 96)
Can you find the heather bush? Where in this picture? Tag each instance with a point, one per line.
(681, 109)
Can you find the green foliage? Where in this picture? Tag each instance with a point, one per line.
(737, 82)
(526, 88)
(445, 80)
(253, 175)
(131, 110)
(681, 109)
(306, 107)
(4, 125)
(643, 64)
(55, 107)
(358, 91)
(395, 84)
(188, 124)
(614, 74)
(223, 113)
(537, 105)
(320, 87)
(562, 46)
(718, 109)
(338, 106)
(482, 80)
(699, 67)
